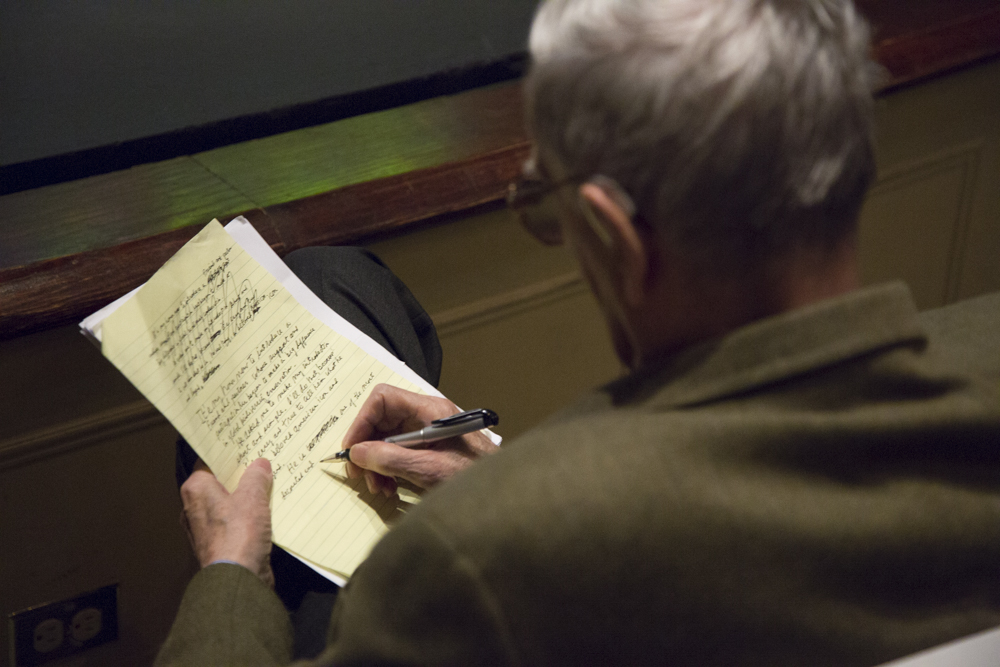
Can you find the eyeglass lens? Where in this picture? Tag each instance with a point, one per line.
(528, 197)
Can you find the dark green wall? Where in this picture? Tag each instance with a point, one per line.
(80, 74)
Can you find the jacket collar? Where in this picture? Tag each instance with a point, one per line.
(778, 348)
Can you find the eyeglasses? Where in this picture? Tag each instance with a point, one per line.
(528, 198)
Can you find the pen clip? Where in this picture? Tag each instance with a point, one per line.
(488, 417)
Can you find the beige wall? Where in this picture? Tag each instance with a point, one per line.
(521, 333)
(87, 495)
(933, 218)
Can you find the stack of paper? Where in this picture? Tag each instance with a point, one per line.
(245, 361)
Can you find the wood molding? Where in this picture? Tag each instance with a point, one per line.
(482, 312)
(139, 415)
(964, 159)
(70, 436)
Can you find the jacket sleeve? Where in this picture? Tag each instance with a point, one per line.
(417, 600)
(228, 616)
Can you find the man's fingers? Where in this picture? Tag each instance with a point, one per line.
(233, 527)
(258, 475)
(380, 483)
(390, 410)
(382, 457)
(361, 428)
(201, 486)
(376, 415)
(423, 467)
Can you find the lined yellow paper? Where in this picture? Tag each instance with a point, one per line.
(242, 370)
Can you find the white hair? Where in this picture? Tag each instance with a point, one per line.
(739, 127)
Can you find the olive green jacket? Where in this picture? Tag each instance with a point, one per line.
(816, 488)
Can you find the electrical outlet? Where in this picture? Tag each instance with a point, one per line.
(58, 629)
(48, 635)
(86, 624)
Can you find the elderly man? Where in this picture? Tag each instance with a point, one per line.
(796, 471)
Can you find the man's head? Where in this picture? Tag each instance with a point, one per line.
(740, 129)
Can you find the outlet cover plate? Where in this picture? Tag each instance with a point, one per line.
(58, 629)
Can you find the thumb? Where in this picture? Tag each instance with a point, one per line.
(257, 479)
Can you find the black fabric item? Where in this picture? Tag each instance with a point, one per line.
(311, 621)
(365, 292)
(358, 286)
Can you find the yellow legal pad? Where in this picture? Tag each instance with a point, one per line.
(243, 370)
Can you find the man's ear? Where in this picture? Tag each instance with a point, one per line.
(609, 212)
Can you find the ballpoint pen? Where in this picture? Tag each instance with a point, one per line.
(439, 429)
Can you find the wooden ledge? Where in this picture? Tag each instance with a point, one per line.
(917, 39)
(486, 144)
(64, 290)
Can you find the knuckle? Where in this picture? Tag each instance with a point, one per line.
(188, 491)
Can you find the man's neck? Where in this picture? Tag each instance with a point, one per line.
(690, 309)
(809, 275)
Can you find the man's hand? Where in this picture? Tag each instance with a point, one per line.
(389, 411)
(234, 527)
